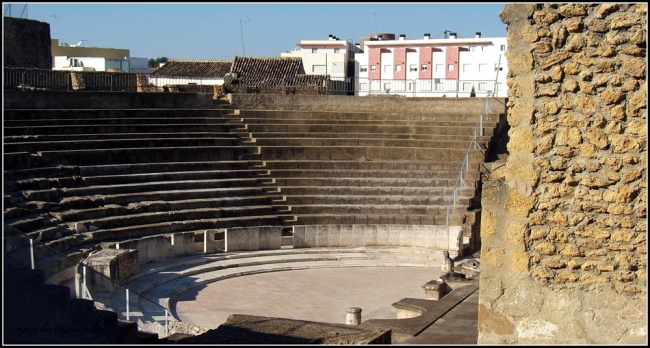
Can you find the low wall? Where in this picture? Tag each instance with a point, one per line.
(104, 100)
(370, 103)
(115, 265)
(433, 237)
(253, 238)
(161, 247)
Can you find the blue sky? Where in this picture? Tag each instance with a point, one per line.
(215, 30)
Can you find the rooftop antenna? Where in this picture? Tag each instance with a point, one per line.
(375, 14)
(242, 36)
(447, 33)
(82, 43)
(54, 16)
(25, 11)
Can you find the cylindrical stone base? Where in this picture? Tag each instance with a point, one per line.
(353, 316)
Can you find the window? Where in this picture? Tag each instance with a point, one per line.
(387, 86)
(373, 68)
(482, 86)
(318, 69)
(388, 68)
(482, 67)
(337, 50)
(314, 50)
(411, 86)
(439, 67)
(467, 86)
(503, 48)
(467, 67)
(497, 67)
(337, 67)
(398, 67)
(438, 84)
(363, 68)
(413, 67)
(450, 67)
(424, 67)
(363, 86)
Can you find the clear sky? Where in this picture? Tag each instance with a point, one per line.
(214, 30)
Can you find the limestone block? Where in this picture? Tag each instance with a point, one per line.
(586, 105)
(573, 10)
(630, 85)
(521, 175)
(623, 144)
(639, 38)
(610, 96)
(554, 59)
(575, 43)
(543, 46)
(617, 37)
(632, 50)
(618, 112)
(597, 137)
(573, 24)
(545, 248)
(558, 234)
(570, 85)
(566, 277)
(544, 18)
(587, 88)
(571, 250)
(604, 9)
(623, 21)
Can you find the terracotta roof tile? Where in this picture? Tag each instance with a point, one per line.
(271, 71)
(193, 68)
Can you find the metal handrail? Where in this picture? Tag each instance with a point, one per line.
(474, 144)
(84, 267)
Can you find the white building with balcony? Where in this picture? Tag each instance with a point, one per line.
(126, 64)
(333, 57)
(452, 67)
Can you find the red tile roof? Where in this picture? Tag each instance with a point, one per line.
(273, 71)
(193, 68)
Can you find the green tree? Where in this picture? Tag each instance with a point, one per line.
(153, 63)
(473, 92)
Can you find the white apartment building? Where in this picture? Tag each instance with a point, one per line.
(126, 64)
(334, 57)
(428, 67)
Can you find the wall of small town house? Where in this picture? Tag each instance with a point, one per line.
(564, 226)
(26, 44)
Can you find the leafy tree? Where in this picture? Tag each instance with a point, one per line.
(472, 93)
(152, 63)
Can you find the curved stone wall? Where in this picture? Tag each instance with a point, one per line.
(564, 226)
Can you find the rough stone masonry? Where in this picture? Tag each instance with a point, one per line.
(564, 224)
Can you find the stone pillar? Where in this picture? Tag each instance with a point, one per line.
(353, 316)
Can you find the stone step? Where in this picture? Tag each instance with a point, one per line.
(360, 129)
(144, 155)
(135, 168)
(110, 136)
(158, 206)
(378, 191)
(367, 182)
(370, 173)
(355, 122)
(171, 176)
(272, 135)
(362, 200)
(142, 142)
(135, 130)
(136, 120)
(373, 219)
(359, 141)
(366, 165)
(367, 153)
(364, 115)
(76, 202)
(44, 114)
(376, 209)
(51, 194)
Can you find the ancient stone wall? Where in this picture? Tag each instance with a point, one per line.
(564, 224)
(26, 43)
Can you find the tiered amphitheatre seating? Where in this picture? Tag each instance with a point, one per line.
(125, 174)
(368, 167)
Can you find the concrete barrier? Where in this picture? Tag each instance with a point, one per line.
(416, 236)
(253, 238)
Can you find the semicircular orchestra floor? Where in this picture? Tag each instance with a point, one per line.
(319, 294)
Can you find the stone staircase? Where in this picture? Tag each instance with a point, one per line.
(46, 314)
